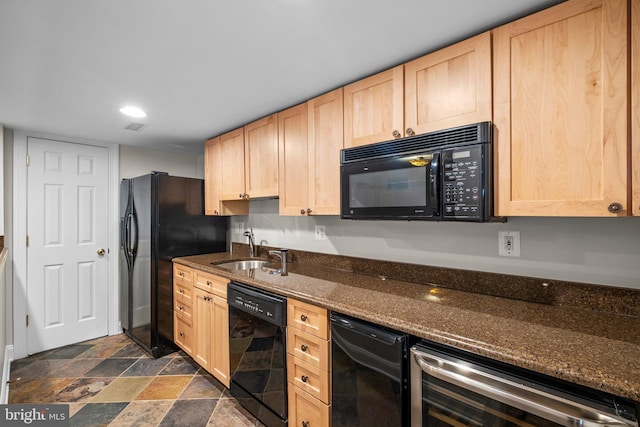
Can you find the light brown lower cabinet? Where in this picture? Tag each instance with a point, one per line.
(201, 320)
(308, 365)
(306, 411)
(182, 307)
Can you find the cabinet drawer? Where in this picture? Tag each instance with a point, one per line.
(308, 318)
(182, 274)
(183, 308)
(306, 411)
(182, 293)
(182, 332)
(308, 378)
(211, 283)
(309, 348)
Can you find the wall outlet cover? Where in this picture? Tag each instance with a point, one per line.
(509, 243)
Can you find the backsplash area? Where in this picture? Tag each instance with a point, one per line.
(589, 250)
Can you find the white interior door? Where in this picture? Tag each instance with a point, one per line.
(67, 225)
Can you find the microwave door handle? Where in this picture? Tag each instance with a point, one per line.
(554, 408)
(433, 182)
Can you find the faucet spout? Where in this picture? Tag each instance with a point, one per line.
(282, 254)
(249, 234)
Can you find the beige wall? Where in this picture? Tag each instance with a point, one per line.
(136, 161)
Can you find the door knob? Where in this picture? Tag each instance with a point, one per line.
(101, 252)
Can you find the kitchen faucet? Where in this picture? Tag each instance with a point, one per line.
(249, 234)
(282, 254)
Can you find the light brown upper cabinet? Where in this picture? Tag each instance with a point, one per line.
(560, 111)
(373, 108)
(214, 177)
(261, 158)
(294, 157)
(450, 87)
(326, 139)
(635, 106)
(232, 183)
(447, 88)
(310, 139)
(240, 165)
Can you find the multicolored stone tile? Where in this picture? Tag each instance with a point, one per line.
(165, 387)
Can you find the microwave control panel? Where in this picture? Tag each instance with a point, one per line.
(463, 186)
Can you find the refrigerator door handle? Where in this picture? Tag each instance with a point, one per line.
(132, 245)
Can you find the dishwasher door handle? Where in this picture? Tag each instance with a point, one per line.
(546, 405)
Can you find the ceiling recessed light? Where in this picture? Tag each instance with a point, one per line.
(133, 111)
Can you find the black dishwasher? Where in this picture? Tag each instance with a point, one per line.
(258, 354)
(369, 379)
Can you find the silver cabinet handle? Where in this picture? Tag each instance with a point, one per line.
(553, 408)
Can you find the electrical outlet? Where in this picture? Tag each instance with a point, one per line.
(321, 232)
(509, 243)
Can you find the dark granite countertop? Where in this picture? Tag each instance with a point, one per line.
(598, 349)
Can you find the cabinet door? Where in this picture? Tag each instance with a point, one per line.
(450, 87)
(212, 176)
(326, 138)
(261, 157)
(232, 165)
(561, 111)
(182, 332)
(374, 108)
(635, 106)
(220, 340)
(294, 172)
(202, 320)
(304, 410)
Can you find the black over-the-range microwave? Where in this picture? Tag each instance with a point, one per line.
(442, 176)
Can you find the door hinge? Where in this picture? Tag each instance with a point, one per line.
(28, 160)
(27, 320)
(27, 240)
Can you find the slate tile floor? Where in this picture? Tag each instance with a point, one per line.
(111, 381)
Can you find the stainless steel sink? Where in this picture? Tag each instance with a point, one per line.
(247, 264)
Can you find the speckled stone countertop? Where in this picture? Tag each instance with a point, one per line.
(579, 341)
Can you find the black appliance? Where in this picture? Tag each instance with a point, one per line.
(161, 217)
(442, 176)
(257, 343)
(453, 388)
(369, 381)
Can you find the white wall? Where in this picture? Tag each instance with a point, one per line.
(590, 250)
(136, 161)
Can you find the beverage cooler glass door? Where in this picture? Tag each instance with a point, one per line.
(447, 391)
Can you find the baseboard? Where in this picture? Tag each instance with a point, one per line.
(6, 371)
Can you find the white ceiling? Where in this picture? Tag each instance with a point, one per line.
(203, 67)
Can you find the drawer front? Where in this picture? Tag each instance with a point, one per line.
(309, 348)
(211, 283)
(182, 292)
(306, 411)
(308, 378)
(183, 308)
(182, 274)
(308, 318)
(182, 332)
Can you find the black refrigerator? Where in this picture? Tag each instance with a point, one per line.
(161, 217)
